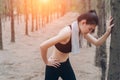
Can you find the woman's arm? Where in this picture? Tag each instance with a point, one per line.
(61, 36)
(103, 38)
(98, 41)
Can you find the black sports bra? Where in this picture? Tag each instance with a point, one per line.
(65, 48)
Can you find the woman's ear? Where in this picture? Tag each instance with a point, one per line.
(83, 21)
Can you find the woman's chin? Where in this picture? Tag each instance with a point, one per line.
(85, 32)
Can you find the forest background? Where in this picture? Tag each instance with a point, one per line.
(24, 24)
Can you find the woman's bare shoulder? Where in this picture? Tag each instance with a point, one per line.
(61, 36)
(65, 31)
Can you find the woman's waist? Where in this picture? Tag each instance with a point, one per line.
(60, 57)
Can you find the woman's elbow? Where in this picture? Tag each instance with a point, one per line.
(97, 44)
(42, 48)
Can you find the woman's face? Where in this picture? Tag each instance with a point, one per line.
(87, 28)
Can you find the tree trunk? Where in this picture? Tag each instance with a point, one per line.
(1, 43)
(37, 24)
(1, 11)
(32, 14)
(101, 57)
(26, 18)
(12, 22)
(114, 61)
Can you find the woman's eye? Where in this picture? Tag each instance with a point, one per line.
(90, 29)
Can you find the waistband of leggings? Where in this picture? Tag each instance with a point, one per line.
(65, 61)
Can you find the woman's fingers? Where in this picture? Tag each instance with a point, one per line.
(109, 22)
(112, 25)
(110, 17)
(56, 64)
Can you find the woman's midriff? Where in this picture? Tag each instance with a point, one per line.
(59, 56)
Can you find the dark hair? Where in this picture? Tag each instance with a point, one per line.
(90, 17)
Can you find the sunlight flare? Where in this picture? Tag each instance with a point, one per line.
(44, 1)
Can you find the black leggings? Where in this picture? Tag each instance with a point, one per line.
(65, 71)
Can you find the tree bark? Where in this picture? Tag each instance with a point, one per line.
(114, 61)
(1, 43)
(12, 22)
(101, 57)
(32, 14)
(26, 18)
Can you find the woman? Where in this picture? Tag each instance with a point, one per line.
(58, 64)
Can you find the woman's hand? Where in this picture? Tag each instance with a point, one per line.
(53, 62)
(109, 24)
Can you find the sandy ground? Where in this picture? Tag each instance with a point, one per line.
(22, 61)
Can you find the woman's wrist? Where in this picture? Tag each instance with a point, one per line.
(108, 31)
(46, 62)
